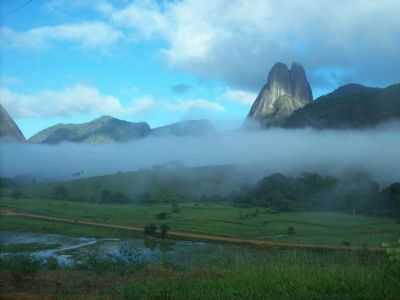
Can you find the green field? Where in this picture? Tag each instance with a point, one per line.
(221, 220)
(278, 275)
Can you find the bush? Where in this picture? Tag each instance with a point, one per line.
(164, 228)
(346, 243)
(175, 208)
(113, 197)
(16, 194)
(150, 229)
(162, 216)
(60, 192)
(291, 230)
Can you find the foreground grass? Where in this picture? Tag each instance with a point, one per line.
(294, 275)
(310, 227)
(29, 247)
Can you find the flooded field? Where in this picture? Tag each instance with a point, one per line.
(69, 251)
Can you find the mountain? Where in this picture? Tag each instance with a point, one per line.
(286, 91)
(350, 106)
(102, 130)
(185, 128)
(8, 128)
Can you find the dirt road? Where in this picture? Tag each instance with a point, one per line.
(191, 236)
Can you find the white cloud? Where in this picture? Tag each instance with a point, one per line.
(238, 41)
(78, 99)
(144, 16)
(240, 96)
(85, 34)
(85, 99)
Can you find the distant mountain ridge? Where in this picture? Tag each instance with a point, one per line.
(101, 130)
(111, 130)
(349, 106)
(8, 128)
(185, 128)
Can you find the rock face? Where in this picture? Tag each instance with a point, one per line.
(286, 91)
(185, 128)
(8, 128)
(350, 106)
(102, 130)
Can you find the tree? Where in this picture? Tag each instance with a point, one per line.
(175, 207)
(162, 216)
(150, 229)
(291, 230)
(164, 228)
(16, 194)
(61, 192)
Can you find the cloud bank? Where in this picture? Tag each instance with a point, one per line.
(286, 151)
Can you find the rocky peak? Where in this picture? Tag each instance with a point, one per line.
(301, 89)
(8, 128)
(286, 91)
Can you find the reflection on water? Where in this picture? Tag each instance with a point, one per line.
(73, 250)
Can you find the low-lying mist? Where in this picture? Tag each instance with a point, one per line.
(328, 152)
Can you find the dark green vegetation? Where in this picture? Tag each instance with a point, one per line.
(162, 184)
(350, 106)
(352, 193)
(355, 194)
(211, 219)
(271, 275)
(29, 247)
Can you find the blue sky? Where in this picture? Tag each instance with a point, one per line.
(164, 61)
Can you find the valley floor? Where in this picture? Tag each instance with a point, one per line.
(257, 226)
(309, 270)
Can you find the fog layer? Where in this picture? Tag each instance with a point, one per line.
(376, 151)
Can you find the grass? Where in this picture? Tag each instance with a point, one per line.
(29, 247)
(224, 220)
(277, 276)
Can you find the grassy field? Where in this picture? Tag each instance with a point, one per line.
(278, 276)
(254, 223)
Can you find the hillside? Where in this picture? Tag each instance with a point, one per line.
(164, 183)
(102, 130)
(111, 130)
(350, 106)
(185, 128)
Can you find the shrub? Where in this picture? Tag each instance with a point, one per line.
(164, 228)
(60, 192)
(113, 197)
(16, 194)
(150, 229)
(162, 216)
(291, 230)
(175, 208)
(346, 243)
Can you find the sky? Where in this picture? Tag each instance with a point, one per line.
(164, 61)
